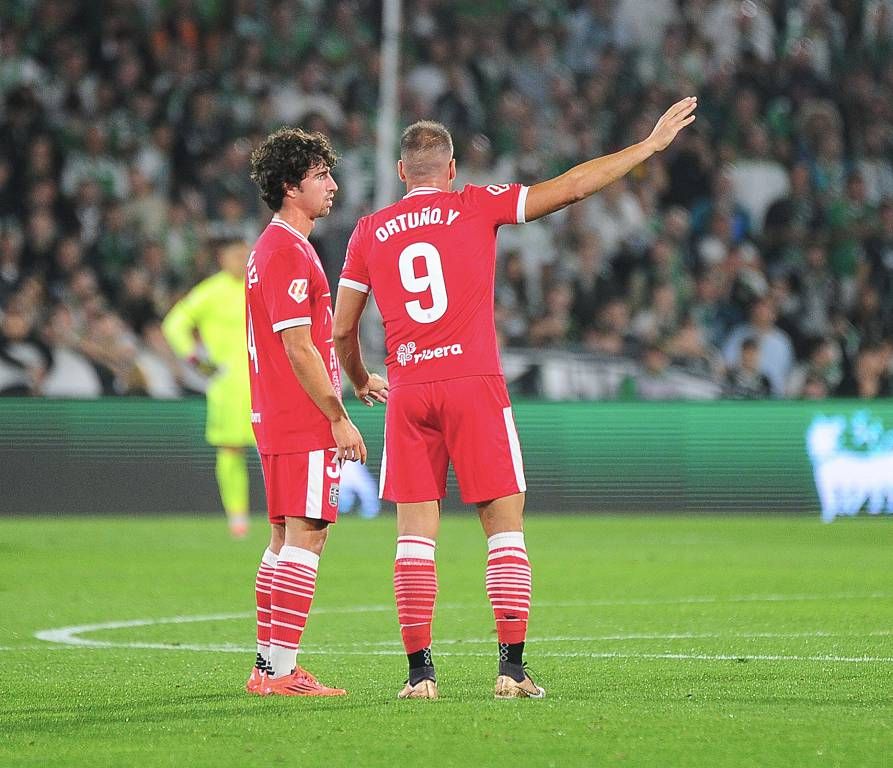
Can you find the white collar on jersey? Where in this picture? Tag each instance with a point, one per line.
(276, 221)
(423, 191)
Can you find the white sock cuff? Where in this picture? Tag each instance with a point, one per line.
(298, 555)
(270, 557)
(415, 548)
(513, 539)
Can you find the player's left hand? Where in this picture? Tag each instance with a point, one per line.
(348, 441)
(672, 121)
(375, 390)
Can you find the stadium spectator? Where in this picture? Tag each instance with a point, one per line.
(821, 372)
(869, 376)
(757, 178)
(659, 318)
(24, 360)
(556, 323)
(70, 373)
(776, 352)
(744, 380)
(653, 381)
(593, 281)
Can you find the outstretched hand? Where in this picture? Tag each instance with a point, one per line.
(374, 390)
(672, 121)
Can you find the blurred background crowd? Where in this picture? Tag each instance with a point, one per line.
(754, 258)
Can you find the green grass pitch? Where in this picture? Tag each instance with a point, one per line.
(662, 641)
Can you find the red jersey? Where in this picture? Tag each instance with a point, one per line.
(286, 287)
(430, 260)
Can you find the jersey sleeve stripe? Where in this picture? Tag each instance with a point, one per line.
(293, 323)
(354, 284)
(521, 216)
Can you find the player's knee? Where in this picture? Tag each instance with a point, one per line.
(277, 537)
(306, 533)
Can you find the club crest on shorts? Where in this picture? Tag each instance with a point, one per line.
(334, 491)
(298, 289)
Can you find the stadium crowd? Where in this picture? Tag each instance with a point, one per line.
(757, 252)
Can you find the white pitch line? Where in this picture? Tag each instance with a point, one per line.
(65, 638)
(708, 599)
(739, 657)
(635, 636)
(70, 636)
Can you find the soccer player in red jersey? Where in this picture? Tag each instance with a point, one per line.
(303, 432)
(430, 260)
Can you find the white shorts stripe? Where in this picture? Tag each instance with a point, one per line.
(384, 464)
(315, 469)
(515, 446)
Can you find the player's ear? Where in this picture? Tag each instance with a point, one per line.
(401, 173)
(452, 168)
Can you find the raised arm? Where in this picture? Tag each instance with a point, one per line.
(585, 179)
(311, 372)
(349, 306)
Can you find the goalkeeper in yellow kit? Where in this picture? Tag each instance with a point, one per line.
(207, 327)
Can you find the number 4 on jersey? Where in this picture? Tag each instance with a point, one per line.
(252, 347)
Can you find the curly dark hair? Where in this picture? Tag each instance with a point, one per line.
(284, 157)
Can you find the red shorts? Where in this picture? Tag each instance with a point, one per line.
(466, 420)
(302, 484)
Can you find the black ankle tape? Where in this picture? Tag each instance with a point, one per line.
(417, 674)
(514, 671)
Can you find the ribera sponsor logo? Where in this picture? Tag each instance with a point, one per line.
(408, 353)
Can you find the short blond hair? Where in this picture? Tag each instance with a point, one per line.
(426, 147)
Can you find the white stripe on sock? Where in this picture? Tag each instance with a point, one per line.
(269, 558)
(513, 539)
(415, 548)
(292, 554)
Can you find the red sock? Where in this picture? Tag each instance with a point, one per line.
(415, 586)
(508, 585)
(294, 583)
(262, 584)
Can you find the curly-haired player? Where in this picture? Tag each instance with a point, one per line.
(303, 432)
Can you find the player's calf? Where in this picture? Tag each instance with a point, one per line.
(415, 587)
